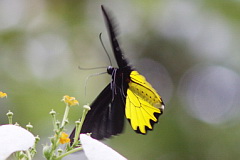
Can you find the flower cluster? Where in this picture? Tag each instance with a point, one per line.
(53, 151)
(16, 139)
(23, 143)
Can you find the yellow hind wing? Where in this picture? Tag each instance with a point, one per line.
(143, 103)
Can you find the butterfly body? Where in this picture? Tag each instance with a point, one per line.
(128, 94)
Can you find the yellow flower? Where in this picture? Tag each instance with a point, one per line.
(64, 138)
(2, 94)
(71, 101)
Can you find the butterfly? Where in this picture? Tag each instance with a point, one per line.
(128, 94)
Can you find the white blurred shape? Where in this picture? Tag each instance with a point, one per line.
(204, 32)
(95, 150)
(11, 12)
(47, 55)
(14, 138)
(210, 94)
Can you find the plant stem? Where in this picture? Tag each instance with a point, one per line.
(28, 155)
(65, 115)
(69, 152)
(78, 127)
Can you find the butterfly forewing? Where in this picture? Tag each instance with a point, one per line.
(121, 61)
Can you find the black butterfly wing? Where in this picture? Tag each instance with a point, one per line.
(106, 117)
(121, 61)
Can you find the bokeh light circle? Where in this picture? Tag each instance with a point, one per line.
(210, 93)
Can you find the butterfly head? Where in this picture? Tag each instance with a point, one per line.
(110, 69)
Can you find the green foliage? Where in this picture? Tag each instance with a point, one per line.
(41, 52)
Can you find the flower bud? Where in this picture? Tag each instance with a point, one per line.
(52, 112)
(29, 126)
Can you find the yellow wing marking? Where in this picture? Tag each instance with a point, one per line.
(142, 102)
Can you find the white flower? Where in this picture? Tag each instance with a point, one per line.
(95, 150)
(14, 138)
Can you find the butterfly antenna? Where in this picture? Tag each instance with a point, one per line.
(92, 75)
(100, 37)
(84, 68)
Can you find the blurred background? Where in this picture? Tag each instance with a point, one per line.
(188, 50)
